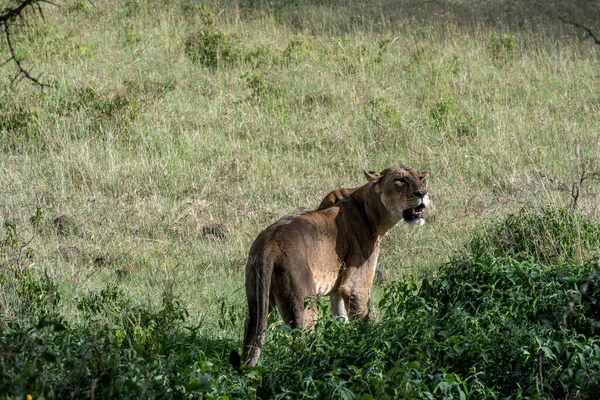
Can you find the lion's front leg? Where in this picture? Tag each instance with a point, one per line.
(356, 294)
(358, 304)
(355, 290)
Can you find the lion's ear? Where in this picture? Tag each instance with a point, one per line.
(423, 174)
(372, 176)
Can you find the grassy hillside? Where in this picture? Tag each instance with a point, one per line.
(167, 117)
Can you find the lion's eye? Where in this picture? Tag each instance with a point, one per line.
(401, 180)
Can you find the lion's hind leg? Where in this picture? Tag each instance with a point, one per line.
(295, 297)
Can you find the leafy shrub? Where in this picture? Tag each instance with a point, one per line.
(297, 51)
(108, 299)
(205, 16)
(212, 48)
(448, 121)
(548, 236)
(40, 294)
(502, 47)
(379, 111)
(259, 56)
(18, 125)
(262, 87)
(139, 353)
(482, 329)
(115, 110)
(442, 113)
(11, 245)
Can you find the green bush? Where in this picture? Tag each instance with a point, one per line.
(262, 87)
(18, 126)
(212, 48)
(137, 352)
(548, 236)
(379, 111)
(298, 50)
(482, 329)
(502, 47)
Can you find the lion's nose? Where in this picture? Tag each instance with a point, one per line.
(420, 193)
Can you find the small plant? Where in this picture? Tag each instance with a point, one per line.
(448, 121)
(587, 171)
(131, 37)
(108, 299)
(297, 51)
(18, 126)
(502, 47)
(14, 250)
(383, 47)
(261, 87)
(230, 314)
(260, 56)
(443, 113)
(257, 84)
(379, 111)
(195, 9)
(39, 294)
(81, 6)
(212, 48)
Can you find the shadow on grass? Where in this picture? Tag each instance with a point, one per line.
(342, 16)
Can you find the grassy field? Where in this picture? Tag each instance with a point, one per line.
(164, 118)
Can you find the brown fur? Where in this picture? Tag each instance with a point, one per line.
(330, 251)
(334, 197)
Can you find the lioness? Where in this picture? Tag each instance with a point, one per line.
(331, 252)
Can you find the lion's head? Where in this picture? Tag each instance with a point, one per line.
(403, 192)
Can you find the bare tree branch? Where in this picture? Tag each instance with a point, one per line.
(7, 14)
(585, 28)
(7, 18)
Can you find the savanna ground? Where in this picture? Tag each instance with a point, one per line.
(165, 118)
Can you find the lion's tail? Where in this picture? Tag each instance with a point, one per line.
(258, 282)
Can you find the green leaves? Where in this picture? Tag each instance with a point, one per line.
(484, 327)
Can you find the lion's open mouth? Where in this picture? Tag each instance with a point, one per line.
(412, 214)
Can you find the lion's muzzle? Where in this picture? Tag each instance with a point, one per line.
(414, 215)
